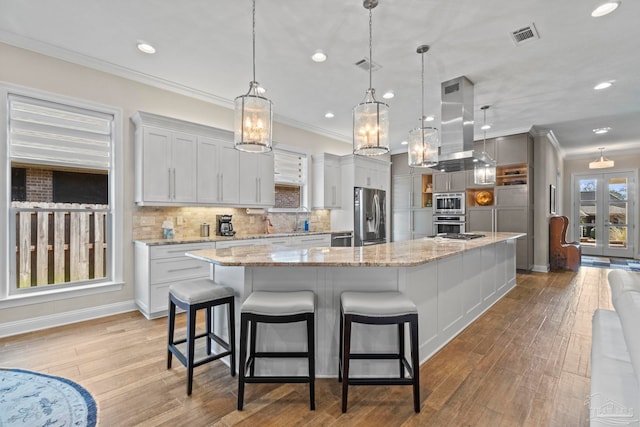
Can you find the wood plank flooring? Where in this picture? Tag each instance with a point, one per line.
(525, 362)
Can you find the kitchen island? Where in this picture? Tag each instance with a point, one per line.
(452, 282)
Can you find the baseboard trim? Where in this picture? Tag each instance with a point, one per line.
(541, 268)
(45, 322)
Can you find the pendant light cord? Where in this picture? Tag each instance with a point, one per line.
(422, 94)
(254, 40)
(370, 43)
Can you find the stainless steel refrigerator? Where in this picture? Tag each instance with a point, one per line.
(369, 220)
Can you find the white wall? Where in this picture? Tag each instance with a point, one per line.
(32, 70)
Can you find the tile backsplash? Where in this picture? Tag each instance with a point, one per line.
(147, 221)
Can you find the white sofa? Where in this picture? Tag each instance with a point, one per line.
(615, 355)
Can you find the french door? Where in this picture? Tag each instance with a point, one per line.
(604, 213)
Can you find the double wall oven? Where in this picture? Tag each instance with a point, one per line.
(448, 213)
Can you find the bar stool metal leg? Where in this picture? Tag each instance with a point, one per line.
(346, 351)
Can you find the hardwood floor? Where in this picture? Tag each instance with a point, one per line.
(525, 362)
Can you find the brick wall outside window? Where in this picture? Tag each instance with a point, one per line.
(39, 185)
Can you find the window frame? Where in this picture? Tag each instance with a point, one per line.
(116, 187)
(305, 199)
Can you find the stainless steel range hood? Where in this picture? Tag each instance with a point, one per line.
(456, 152)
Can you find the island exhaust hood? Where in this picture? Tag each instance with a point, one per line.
(456, 151)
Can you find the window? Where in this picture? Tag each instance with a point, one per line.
(64, 222)
(290, 178)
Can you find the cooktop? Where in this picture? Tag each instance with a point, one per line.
(459, 236)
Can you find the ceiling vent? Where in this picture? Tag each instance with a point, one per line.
(365, 64)
(524, 35)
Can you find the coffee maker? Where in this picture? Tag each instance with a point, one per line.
(225, 228)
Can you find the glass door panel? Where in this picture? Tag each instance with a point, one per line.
(604, 216)
(588, 211)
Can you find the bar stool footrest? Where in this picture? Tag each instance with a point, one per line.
(277, 379)
(380, 381)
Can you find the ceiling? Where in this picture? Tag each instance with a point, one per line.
(204, 50)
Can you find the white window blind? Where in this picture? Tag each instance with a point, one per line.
(45, 132)
(290, 168)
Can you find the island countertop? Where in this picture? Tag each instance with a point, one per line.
(396, 254)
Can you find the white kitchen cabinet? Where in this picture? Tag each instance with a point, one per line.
(326, 182)
(257, 187)
(168, 166)
(449, 181)
(218, 177)
(371, 173)
(157, 267)
(179, 163)
(410, 220)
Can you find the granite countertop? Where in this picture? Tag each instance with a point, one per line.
(396, 254)
(214, 238)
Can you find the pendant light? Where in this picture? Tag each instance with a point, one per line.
(253, 115)
(601, 163)
(370, 117)
(484, 174)
(423, 140)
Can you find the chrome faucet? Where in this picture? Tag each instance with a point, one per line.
(298, 226)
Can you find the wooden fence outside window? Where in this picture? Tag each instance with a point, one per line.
(59, 243)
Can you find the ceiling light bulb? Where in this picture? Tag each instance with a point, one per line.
(388, 94)
(429, 119)
(261, 90)
(146, 48)
(329, 115)
(603, 85)
(605, 8)
(485, 127)
(600, 131)
(319, 56)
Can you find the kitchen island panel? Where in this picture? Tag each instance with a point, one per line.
(450, 293)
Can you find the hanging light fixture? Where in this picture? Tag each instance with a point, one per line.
(601, 163)
(253, 115)
(370, 117)
(423, 140)
(484, 174)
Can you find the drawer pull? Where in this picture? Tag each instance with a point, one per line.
(183, 269)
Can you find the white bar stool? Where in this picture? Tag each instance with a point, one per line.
(276, 307)
(379, 308)
(191, 297)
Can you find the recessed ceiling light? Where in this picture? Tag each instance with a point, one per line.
(485, 127)
(429, 119)
(146, 48)
(319, 56)
(404, 143)
(600, 131)
(605, 8)
(329, 115)
(388, 94)
(603, 85)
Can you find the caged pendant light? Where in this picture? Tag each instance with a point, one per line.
(253, 115)
(484, 174)
(370, 117)
(423, 140)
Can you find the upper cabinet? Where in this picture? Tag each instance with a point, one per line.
(514, 149)
(449, 181)
(326, 182)
(257, 187)
(371, 173)
(179, 163)
(167, 159)
(218, 163)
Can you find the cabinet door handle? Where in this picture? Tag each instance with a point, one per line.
(257, 189)
(174, 183)
(169, 182)
(221, 187)
(183, 269)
